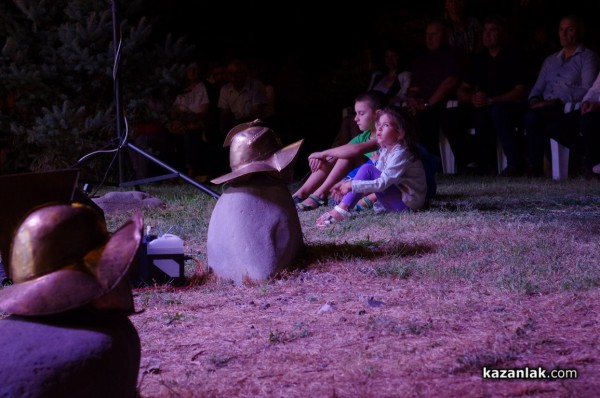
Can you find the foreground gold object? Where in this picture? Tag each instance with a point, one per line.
(62, 257)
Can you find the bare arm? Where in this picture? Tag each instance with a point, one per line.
(347, 151)
(442, 93)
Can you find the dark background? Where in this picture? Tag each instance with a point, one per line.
(327, 29)
(327, 38)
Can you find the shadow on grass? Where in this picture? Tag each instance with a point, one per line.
(450, 196)
(465, 206)
(365, 250)
(458, 202)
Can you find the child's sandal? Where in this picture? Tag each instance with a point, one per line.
(334, 216)
(315, 203)
(364, 204)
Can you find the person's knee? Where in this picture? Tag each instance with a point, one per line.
(366, 170)
(369, 166)
(326, 166)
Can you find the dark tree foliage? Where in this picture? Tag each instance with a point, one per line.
(57, 78)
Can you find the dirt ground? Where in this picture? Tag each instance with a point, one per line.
(337, 331)
(342, 325)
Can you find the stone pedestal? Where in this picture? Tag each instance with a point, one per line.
(76, 354)
(254, 231)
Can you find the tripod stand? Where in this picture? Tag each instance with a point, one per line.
(123, 143)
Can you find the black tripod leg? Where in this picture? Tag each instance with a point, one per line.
(169, 168)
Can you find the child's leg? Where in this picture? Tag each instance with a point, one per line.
(366, 202)
(340, 211)
(352, 173)
(339, 171)
(391, 199)
(314, 180)
(366, 172)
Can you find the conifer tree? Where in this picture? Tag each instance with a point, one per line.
(57, 78)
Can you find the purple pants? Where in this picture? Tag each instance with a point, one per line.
(390, 199)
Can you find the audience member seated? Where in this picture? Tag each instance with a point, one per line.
(259, 69)
(565, 77)
(492, 101)
(243, 99)
(465, 31)
(295, 96)
(214, 78)
(536, 42)
(217, 156)
(332, 165)
(590, 129)
(150, 134)
(435, 76)
(392, 79)
(189, 114)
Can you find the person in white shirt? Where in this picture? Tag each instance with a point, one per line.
(589, 125)
(188, 115)
(565, 77)
(243, 99)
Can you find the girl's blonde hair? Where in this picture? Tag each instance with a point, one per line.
(401, 120)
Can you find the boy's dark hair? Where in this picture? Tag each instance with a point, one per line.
(376, 99)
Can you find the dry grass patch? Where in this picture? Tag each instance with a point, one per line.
(498, 273)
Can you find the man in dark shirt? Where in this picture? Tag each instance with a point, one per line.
(435, 75)
(492, 101)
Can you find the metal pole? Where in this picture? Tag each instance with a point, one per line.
(117, 82)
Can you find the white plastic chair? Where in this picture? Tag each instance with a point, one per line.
(559, 152)
(448, 159)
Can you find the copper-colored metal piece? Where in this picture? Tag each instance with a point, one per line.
(63, 257)
(255, 148)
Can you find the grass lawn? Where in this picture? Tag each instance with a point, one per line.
(498, 274)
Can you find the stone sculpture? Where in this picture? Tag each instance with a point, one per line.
(68, 333)
(254, 230)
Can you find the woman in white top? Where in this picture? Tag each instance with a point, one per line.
(392, 80)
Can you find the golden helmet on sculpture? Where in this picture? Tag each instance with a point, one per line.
(255, 148)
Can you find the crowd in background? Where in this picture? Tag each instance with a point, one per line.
(441, 64)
